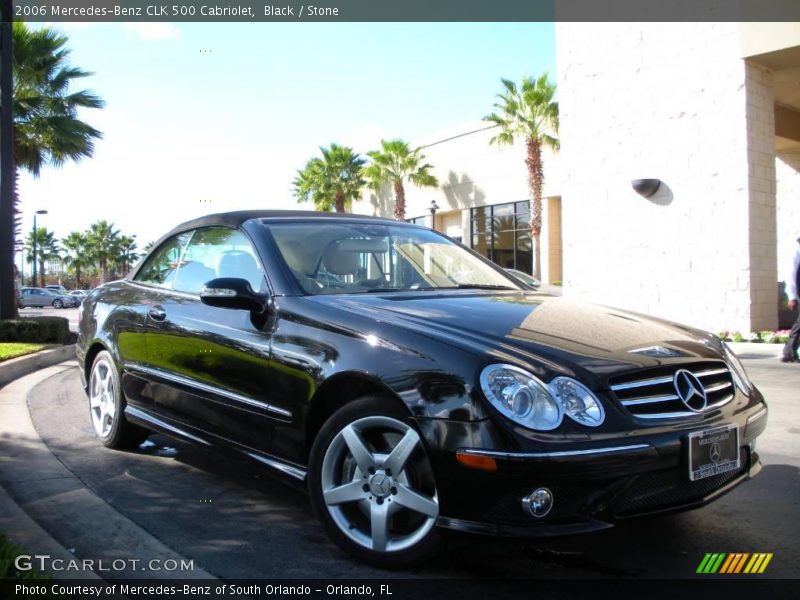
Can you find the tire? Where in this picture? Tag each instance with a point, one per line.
(390, 484)
(106, 406)
(58, 303)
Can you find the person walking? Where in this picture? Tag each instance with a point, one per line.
(793, 288)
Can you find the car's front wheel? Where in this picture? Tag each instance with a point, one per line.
(372, 485)
(106, 406)
(57, 303)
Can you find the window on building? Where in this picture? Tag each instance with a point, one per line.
(502, 234)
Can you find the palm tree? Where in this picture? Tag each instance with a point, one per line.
(126, 253)
(77, 255)
(148, 246)
(46, 249)
(529, 113)
(47, 130)
(395, 164)
(103, 241)
(333, 181)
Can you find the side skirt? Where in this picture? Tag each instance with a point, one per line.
(290, 473)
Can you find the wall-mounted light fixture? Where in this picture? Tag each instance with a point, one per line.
(646, 187)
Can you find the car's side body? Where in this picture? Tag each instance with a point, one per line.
(264, 384)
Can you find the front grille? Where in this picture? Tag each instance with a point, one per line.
(663, 490)
(651, 393)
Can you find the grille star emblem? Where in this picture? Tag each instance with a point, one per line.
(714, 453)
(690, 390)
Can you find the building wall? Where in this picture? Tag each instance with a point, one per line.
(788, 199)
(673, 102)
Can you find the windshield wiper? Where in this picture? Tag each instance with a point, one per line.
(482, 286)
(397, 289)
(460, 286)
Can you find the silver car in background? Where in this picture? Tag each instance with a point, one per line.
(41, 297)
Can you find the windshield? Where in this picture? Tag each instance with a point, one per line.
(336, 258)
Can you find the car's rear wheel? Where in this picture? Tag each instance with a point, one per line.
(57, 303)
(106, 406)
(372, 485)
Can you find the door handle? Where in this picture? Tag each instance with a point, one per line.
(157, 313)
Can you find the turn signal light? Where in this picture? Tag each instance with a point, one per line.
(475, 461)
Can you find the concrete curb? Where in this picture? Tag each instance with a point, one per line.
(24, 365)
(38, 492)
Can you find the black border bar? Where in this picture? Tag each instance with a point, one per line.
(392, 588)
(407, 10)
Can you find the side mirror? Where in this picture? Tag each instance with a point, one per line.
(232, 292)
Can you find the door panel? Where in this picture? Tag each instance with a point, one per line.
(208, 365)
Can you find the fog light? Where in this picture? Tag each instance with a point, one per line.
(539, 503)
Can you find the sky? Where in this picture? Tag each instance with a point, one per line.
(204, 118)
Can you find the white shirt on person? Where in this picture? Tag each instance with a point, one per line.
(791, 284)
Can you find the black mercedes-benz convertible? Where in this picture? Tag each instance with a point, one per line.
(409, 384)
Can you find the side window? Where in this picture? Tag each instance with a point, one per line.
(160, 266)
(217, 252)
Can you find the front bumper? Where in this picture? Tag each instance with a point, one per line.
(593, 487)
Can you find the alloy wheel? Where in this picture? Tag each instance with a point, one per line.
(377, 484)
(102, 398)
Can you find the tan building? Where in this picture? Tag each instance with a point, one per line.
(711, 110)
(705, 108)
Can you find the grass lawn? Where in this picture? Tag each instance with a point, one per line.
(8, 554)
(14, 349)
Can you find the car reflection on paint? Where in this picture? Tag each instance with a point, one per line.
(410, 385)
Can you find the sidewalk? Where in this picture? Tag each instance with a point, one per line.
(38, 492)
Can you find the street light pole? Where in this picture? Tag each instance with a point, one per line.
(35, 255)
(433, 208)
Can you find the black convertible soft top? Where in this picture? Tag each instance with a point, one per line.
(236, 218)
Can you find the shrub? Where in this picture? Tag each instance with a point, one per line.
(781, 336)
(35, 330)
(736, 337)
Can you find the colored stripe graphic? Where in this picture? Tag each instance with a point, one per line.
(703, 563)
(741, 562)
(734, 563)
(765, 563)
(716, 565)
(727, 564)
(758, 563)
(711, 563)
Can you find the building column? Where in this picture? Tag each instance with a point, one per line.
(763, 240)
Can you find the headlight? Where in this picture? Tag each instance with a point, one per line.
(737, 369)
(521, 397)
(579, 403)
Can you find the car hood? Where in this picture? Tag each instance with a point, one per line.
(556, 333)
